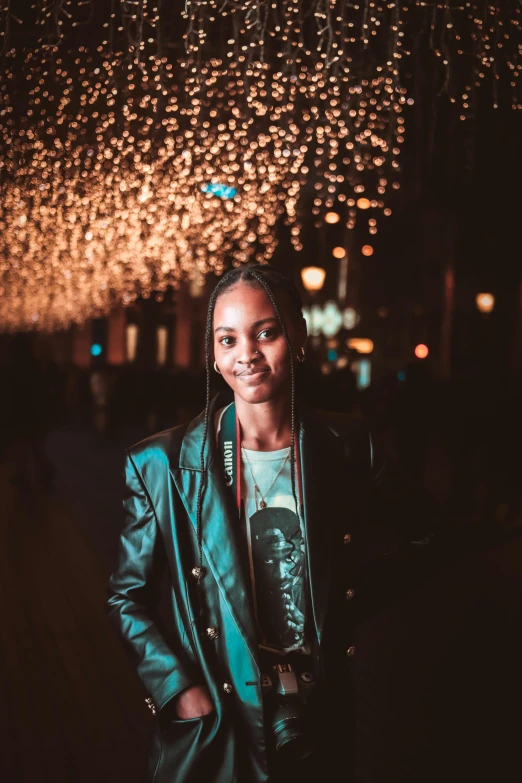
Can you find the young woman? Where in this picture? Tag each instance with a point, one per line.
(253, 511)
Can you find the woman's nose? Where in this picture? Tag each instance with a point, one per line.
(247, 352)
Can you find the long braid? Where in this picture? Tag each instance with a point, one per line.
(247, 273)
(199, 571)
(272, 298)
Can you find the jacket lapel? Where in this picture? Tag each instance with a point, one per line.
(219, 516)
(324, 498)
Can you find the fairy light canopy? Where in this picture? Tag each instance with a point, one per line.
(146, 144)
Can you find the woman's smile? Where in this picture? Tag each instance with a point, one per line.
(253, 376)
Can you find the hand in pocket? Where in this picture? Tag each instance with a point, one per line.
(193, 702)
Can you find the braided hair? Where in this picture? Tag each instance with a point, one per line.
(271, 280)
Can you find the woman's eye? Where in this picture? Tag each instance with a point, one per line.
(227, 341)
(266, 333)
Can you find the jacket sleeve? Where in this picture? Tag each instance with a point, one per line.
(397, 500)
(131, 588)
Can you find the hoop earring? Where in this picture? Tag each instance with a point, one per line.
(216, 368)
(301, 357)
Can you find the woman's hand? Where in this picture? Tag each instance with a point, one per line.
(193, 702)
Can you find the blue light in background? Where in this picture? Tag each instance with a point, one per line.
(401, 375)
(96, 349)
(217, 189)
(364, 373)
(332, 355)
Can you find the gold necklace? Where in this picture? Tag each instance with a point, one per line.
(257, 491)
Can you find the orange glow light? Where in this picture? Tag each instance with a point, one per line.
(332, 217)
(367, 250)
(313, 278)
(421, 351)
(485, 302)
(338, 252)
(360, 344)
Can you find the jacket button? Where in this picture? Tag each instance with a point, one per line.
(350, 652)
(349, 594)
(227, 687)
(212, 632)
(198, 572)
(347, 539)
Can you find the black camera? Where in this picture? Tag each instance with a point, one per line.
(286, 692)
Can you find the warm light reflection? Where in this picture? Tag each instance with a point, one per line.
(162, 337)
(367, 250)
(131, 340)
(363, 203)
(421, 351)
(338, 252)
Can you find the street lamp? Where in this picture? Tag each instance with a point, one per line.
(485, 302)
(313, 277)
(360, 344)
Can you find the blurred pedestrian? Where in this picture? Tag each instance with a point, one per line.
(100, 391)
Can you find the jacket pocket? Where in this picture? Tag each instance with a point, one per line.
(183, 746)
(187, 721)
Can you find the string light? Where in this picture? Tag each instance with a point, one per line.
(86, 224)
(332, 217)
(132, 165)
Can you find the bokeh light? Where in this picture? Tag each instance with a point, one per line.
(485, 302)
(360, 344)
(175, 146)
(313, 278)
(332, 217)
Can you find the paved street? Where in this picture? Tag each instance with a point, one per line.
(437, 652)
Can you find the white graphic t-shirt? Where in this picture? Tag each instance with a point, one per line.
(276, 548)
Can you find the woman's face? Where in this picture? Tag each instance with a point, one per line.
(249, 345)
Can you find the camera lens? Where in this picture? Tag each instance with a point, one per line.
(289, 730)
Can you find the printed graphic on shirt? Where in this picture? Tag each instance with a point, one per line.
(278, 563)
(274, 544)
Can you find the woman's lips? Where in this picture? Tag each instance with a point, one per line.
(252, 376)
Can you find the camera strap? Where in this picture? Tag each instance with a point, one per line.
(230, 449)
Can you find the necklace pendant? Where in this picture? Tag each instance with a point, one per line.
(262, 504)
